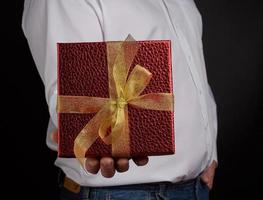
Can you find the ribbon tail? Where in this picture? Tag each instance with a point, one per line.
(154, 101)
(120, 134)
(104, 128)
(89, 134)
(79, 104)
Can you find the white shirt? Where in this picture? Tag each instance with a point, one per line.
(47, 22)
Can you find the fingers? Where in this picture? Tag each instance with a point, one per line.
(141, 161)
(122, 164)
(107, 167)
(106, 164)
(92, 165)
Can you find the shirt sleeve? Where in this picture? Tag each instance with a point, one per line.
(46, 23)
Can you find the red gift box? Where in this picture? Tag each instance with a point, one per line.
(83, 71)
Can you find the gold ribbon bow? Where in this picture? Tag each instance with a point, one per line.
(113, 112)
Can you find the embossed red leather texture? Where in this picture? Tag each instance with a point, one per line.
(82, 71)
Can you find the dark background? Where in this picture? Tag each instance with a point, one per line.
(233, 44)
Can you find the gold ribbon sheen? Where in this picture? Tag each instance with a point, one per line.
(113, 111)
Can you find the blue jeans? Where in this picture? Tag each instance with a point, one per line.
(190, 190)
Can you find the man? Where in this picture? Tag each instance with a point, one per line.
(186, 175)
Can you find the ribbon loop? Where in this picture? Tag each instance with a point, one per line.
(138, 80)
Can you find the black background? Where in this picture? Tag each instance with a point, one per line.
(233, 44)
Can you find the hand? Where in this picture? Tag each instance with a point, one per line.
(208, 175)
(107, 165)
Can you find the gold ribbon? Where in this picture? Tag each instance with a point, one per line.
(113, 111)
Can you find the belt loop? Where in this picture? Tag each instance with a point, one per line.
(71, 185)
